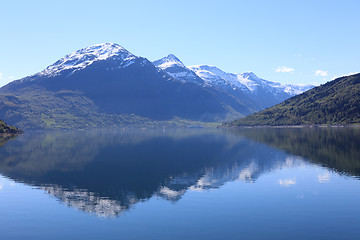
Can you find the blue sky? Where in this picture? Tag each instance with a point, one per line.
(285, 41)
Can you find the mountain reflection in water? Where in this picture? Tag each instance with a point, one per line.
(107, 171)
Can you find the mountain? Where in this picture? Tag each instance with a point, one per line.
(215, 77)
(106, 85)
(264, 93)
(246, 86)
(175, 68)
(336, 102)
(240, 101)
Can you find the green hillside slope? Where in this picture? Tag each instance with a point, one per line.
(6, 129)
(336, 102)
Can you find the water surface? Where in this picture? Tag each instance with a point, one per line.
(181, 184)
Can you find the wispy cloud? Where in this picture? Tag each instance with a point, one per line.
(284, 69)
(321, 73)
(11, 77)
(287, 182)
(1, 75)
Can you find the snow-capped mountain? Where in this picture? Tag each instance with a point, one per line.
(262, 93)
(253, 82)
(175, 68)
(265, 93)
(215, 77)
(106, 85)
(84, 57)
(247, 81)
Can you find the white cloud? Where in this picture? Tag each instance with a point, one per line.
(287, 182)
(1, 75)
(321, 73)
(11, 77)
(284, 69)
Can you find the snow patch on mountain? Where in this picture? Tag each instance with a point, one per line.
(297, 89)
(87, 56)
(252, 82)
(175, 68)
(169, 61)
(247, 82)
(209, 77)
(214, 76)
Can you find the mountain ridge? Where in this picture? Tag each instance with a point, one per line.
(110, 88)
(175, 68)
(262, 93)
(334, 103)
(106, 85)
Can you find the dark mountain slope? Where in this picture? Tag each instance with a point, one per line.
(336, 102)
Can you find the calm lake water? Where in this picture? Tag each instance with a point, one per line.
(181, 184)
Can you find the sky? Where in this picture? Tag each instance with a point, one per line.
(297, 42)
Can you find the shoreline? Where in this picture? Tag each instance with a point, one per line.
(5, 135)
(300, 126)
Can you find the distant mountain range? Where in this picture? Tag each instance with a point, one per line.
(106, 85)
(336, 102)
(261, 92)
